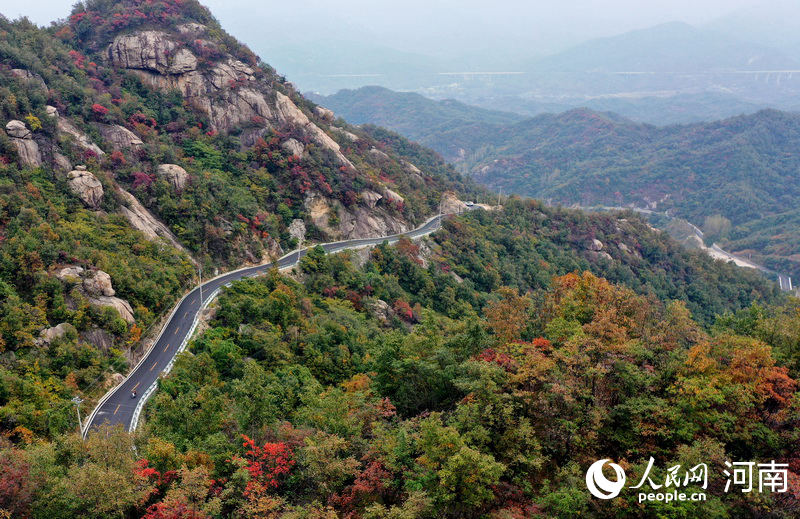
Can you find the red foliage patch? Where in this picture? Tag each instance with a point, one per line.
(267, 464)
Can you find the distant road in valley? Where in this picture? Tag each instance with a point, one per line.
(715, 250)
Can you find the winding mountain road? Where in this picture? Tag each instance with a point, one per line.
(118, 407)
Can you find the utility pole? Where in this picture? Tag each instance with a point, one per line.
(78, 401)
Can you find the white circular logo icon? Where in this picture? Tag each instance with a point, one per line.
(599, 485)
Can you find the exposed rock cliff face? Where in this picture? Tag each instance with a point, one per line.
(82, 140)
(143, 220)
(86, 187)
(451, 204)
(294, 147)
(27, 148)
(226, 91)
(354, 222)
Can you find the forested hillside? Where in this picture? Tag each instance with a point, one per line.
(449, 378)
(472, 374)
(743, 168)
(142, 143)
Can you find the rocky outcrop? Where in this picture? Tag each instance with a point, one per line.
(99, 338)
(297, 229)
(412, 168)
(364, 223)
(325, 114)
(86, 187)
(31, 77)
(98, 283)
(143, 220)
(122, 307)
(191, 29)
(174, 174)
(353, 222)
(392, 196)
(18, 130)
(381, 310)
(71, 273)
(28, 152)
(151, 50)
(378, 154)
(371, 198)
(272, 251)
(451, 204)
(61, 163)
(294, 147)
(48, 335)
(352, 137)
(227, 91)
(289, 113)
(319, 211)
(595, 245)
(27, 148)
(97, 286)
(65, 127)
(119, 138)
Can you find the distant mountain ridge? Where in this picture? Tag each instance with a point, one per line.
(743, 168)
(673, 47)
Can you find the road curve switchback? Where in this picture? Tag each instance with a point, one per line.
(118, 406)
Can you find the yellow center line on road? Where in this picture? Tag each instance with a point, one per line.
(153, 366)
(137, 385)
(166, 347)
(175, 332)
(185, 314)
(117, 409)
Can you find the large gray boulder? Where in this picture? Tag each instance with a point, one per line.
(18, 130)
(294, 147)
(70, 273)
(595, 245)
(86, 187)
(174, 174)
(371, 198)
(48, 335)
(98, 283)
(119, 137)
(28, 152)
(27, 148)
(122, 307)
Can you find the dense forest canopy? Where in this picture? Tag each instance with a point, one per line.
(474, 373)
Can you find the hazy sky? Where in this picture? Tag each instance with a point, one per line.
(441, 27)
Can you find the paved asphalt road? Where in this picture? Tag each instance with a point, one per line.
(119, 406)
